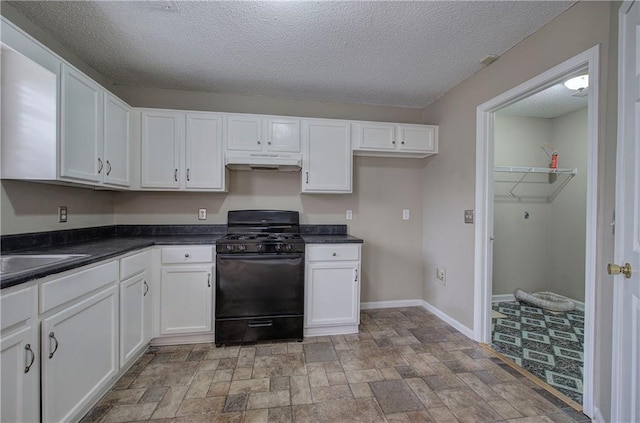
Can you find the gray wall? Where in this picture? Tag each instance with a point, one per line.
(545, 252)
(450, 176)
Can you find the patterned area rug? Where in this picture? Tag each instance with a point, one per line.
(548, 344)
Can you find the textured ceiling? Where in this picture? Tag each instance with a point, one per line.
(555, 101)
(392, 53)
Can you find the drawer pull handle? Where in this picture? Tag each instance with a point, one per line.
(100, 164)
(175, 175)
(53, 336)
(209, 280)
(188, 175)
(261, 324)
(334, 254)
(33, 358)
(186, 255)
(146, 289)
(356, 279)
(108, 168)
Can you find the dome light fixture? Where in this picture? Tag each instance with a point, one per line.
(578, 83)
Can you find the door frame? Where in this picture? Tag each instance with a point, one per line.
(483, 268)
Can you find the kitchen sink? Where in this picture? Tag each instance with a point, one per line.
(22, 262)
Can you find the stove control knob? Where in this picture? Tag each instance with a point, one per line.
(289, 247)
(260, 247)
(229, 247)
(278, 247)
(242, 247)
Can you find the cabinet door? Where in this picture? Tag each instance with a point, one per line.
(244, 132)
(79, 354)
(283, 134)
(81, 131)
(162, 134)
(374, 136)
(20, 375)
(117, 143)
(327, 156)
(132, 316)
(205, 164)
(186, 295)
(416, 138)
(332, 294)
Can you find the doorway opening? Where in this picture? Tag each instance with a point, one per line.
(536, 211)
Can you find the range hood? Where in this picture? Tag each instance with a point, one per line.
(248, 160)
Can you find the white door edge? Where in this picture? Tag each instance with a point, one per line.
(588, 60)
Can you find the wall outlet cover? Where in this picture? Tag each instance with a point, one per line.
(349, 215)
(441, 274)
(202, 214)
(62, 214)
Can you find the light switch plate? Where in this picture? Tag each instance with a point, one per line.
(468, 216)
(406, 214)
(349, 215)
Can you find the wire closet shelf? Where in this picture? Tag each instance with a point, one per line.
(530, 184)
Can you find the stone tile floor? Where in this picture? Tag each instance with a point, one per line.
(405, 365)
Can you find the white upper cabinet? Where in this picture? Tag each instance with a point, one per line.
(117, 142)
(262, 133)
(326, 156)
(394, 140)
(82, 130)
(182, 151)
(204, 159)
(162, 139)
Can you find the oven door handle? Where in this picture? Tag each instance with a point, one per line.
(263, 324)
(263, 256)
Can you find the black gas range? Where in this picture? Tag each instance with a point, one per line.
(260, 278)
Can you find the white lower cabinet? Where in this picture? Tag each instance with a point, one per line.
(79, 354)
(332, 291)
(19, 361)
(135, 305)
(187, 284)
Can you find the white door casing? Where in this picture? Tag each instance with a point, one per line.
(589, 62)
(625, 392)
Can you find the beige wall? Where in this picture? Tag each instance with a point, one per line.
(450, 176)
(33, 207)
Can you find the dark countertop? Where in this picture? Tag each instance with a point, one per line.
(103, 249)
(331, 239)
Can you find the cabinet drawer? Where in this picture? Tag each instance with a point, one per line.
(59, 291)
(16, 307)
(181, 255)
(334, 252)
(134, 264)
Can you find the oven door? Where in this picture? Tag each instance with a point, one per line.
(254, 285)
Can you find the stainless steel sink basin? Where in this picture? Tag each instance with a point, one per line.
(22, 262)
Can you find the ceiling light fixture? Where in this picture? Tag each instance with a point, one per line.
(577, 83)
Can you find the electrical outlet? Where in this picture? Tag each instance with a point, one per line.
(441, 274)
(349, 214)
(62, 214)
(406, 214)
(202, 214)
(468, 216)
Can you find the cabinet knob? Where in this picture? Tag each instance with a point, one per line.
(258, 142)
(269, 142)
(393, 142)
(186, 255)
(334, 254)
(402, 143)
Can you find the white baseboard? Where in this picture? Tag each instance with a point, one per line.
(509, 297)
(390, 304)
(448, 319)
(420, 303)
(597, 416)
(502, 298)
(201, 338)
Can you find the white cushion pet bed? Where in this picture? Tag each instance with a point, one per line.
(546, 300)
